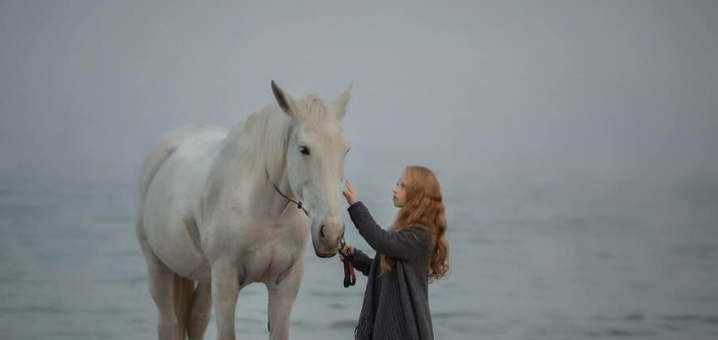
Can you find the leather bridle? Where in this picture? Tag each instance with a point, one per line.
(349, 275)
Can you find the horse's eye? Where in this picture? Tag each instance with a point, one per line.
(304, 150)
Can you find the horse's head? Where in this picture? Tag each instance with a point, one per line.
(315, 163)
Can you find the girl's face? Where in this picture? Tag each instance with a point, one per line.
(400, 192)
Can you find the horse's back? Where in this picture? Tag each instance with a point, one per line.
(168, 143)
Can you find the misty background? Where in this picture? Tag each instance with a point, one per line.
(570, 137)
(615, 88)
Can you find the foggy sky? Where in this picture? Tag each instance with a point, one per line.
(606, 87)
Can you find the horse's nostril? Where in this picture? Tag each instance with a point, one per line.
(321, 232)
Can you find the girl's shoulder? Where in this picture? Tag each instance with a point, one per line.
(420, 230)
(419, 226)
(422, 225)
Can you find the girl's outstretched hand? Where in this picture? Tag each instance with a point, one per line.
(349, 194)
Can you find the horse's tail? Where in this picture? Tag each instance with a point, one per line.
(183, 300)
(161, 151)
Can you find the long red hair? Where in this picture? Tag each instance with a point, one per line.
(424, 205)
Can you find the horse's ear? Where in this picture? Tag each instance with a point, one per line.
(285, 101)
(340, 104)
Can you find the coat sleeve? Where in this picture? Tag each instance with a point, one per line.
(362, 261)
(403, 245)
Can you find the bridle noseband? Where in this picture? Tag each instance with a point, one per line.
(298, 203)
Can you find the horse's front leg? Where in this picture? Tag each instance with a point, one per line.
(281, 299)
(225, 288)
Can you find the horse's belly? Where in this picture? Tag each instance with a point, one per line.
(174, 238)
(174, 245)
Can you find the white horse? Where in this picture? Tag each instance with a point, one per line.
(209, 212)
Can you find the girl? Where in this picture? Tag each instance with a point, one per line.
(409, 256)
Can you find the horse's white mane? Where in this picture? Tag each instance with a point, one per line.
(263, 138)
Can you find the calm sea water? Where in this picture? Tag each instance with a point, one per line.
(561, 260)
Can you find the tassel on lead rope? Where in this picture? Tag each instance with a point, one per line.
(350, 277)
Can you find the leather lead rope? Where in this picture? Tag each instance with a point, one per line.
(350, 277)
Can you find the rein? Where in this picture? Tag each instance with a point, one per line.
(350, 277)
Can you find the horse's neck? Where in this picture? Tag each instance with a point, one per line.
(240, 175)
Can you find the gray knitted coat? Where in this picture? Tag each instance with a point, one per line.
(396, 304)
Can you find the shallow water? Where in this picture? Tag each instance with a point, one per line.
(531, 261)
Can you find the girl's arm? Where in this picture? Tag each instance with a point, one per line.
(362, 261)
(404, 244)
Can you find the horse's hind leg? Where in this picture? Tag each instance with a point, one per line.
(162, 290)
(201, 311)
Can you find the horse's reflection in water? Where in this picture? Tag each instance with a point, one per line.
(209, 213)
